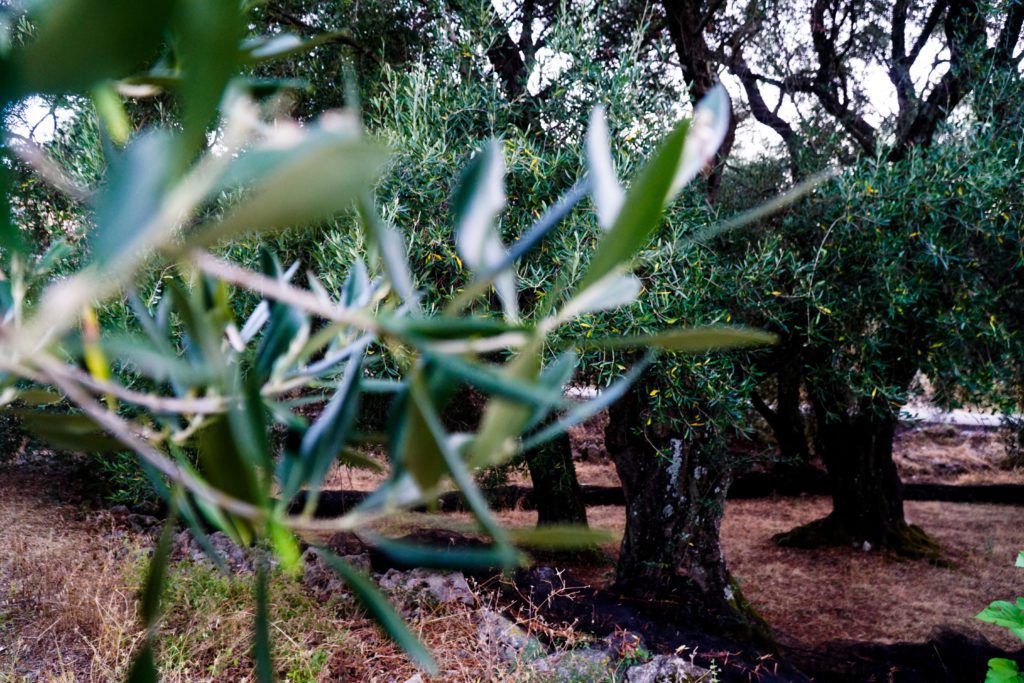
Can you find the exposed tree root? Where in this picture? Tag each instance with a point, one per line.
(905, 540)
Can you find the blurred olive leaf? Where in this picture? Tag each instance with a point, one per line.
(136, 182)
(690, 340)
(463, 559)
(261, 642)
(81, 42)
(300, 176)
(208, 32)
(259, 49)
(559, 536)
(478, 199)
(641, 212)
(605, 190)
(679, 158)
(73, 432)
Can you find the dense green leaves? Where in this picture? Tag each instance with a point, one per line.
(1003, 671)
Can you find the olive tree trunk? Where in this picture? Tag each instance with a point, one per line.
(867, 494)
(671, 556)
(556, 489)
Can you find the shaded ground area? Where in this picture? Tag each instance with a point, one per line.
(819, 595)
(813, 596)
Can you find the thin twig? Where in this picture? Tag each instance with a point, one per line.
(208, 405)
(279, 290)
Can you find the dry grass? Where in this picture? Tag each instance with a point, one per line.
(844, 593)
(68, 583)
(65, 613)
(951, 455)
(68, 586)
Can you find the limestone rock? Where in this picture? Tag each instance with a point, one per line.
(443, 588)
(573, 666)
(668, 669)
(504, 639)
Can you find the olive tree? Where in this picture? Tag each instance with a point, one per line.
(217, 352)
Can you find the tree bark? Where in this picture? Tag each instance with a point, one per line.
(556, 489)
(671, 556)
(867, 494)
(786, 419)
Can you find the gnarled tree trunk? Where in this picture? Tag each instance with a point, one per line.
(671, 556)
(867, 494)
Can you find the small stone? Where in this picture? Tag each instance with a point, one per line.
(500, 636)
(575, 665)
(318, 578)
(667, 669)
(417, 678)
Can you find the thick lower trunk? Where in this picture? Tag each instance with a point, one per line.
(671, 556)
(867, 494)
(556, 488)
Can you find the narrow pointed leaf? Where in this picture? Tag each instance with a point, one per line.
(464, 559)
(691, 340)
(641, 214)
(329, 434)
(584, 411)
(477, 202)
(261, 652)
(208, 35)
(605, 190)
(260, 49)
(560, 537)
(707, 132)
(494, 382)
(143, 666)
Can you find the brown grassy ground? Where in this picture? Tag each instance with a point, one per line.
(845, 593)
(813, 596)
(64, 607)
(68, 581)
(68, 587)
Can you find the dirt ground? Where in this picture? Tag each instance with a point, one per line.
(67, 601)
(814, 596)
(846, 594)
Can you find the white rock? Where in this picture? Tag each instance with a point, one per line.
(667, 669)
(504, 639)
(572, 666)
